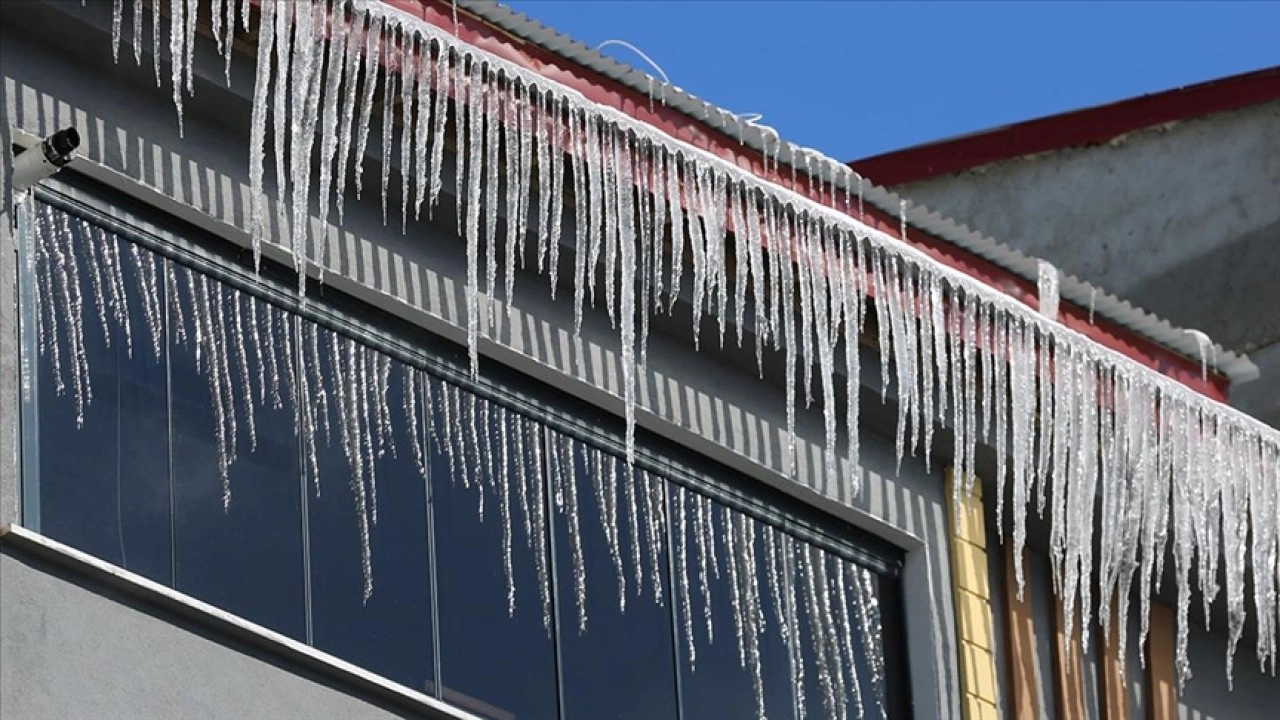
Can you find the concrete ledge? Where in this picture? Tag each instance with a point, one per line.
(227, 629)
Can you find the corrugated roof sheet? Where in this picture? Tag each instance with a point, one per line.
(1238, 368)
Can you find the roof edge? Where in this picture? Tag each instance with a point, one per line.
(1130, 330)
(1085, 127)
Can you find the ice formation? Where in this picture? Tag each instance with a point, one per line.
(1084, 434)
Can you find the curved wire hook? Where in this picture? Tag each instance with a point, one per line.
(639, 52)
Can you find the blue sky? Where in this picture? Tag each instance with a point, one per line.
(855, 79)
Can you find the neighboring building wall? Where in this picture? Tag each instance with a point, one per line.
(1132, 215)
(709, 401)
(1181, 220)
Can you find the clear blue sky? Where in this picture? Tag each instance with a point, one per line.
(855, 79)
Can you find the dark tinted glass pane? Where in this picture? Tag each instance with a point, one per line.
(236, 455)
(838, 610)
(732, 636)
(496, 653)
(370, 600)
(104, 482)
(616, 647)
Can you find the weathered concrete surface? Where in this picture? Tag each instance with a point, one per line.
(1182, 220)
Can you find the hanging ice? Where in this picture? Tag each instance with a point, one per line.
(1047, 289)
(949, 344)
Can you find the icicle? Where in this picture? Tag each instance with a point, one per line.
(564, 464)
(789, 329)
(452, 429)
(177, 52)
(353, 102)
(322, 392)
(557, 195)
(137, 32)
(471, 451)
(577, 153)
(675, 202)
(410, 382)
(117, 15)
(339, 71)
(680, 547)
(155, 39)
(258, 132)
(847, 648)
(346, 378)
(189, 45)
(732, 556)
(868, 610)
(627, 267)
(538, 481)
(1047, 289)
(813, 610)
(422, 130)
(524, 166)
(229, 21)
(242, 358)
(1208, 353)
(604, 476)
(47, 287)
(475, 146)
(492, 94)
(215, 25)
(96, 268)
(792, 622)
(374, 37)
(502, 486)
(307, 82)
(655, 495)
(444, 84)
(389, 78)
(628, 482)
(408, 98)
(543, 125)
(67, 277)
(514, 186)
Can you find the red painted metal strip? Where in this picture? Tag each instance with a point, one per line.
(1091, 126)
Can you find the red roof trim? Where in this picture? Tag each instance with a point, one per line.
(606, 91)
(1091, 126)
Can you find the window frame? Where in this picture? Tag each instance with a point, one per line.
(401, 340)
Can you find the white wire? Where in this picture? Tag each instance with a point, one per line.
(639, 52)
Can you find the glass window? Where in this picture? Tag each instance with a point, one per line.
(616, 632)
(104, 476)
(496, 653)
(735, 643)
(236, 468)
(367, 509)
(267, 462)
(838, 609)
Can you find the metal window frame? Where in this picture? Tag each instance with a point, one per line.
(204, 252)
(443, 359)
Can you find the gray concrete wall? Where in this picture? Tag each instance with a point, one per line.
(73, 646)
(1197, 200)
(709, 401)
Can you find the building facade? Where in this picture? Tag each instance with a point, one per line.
(272, 451)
